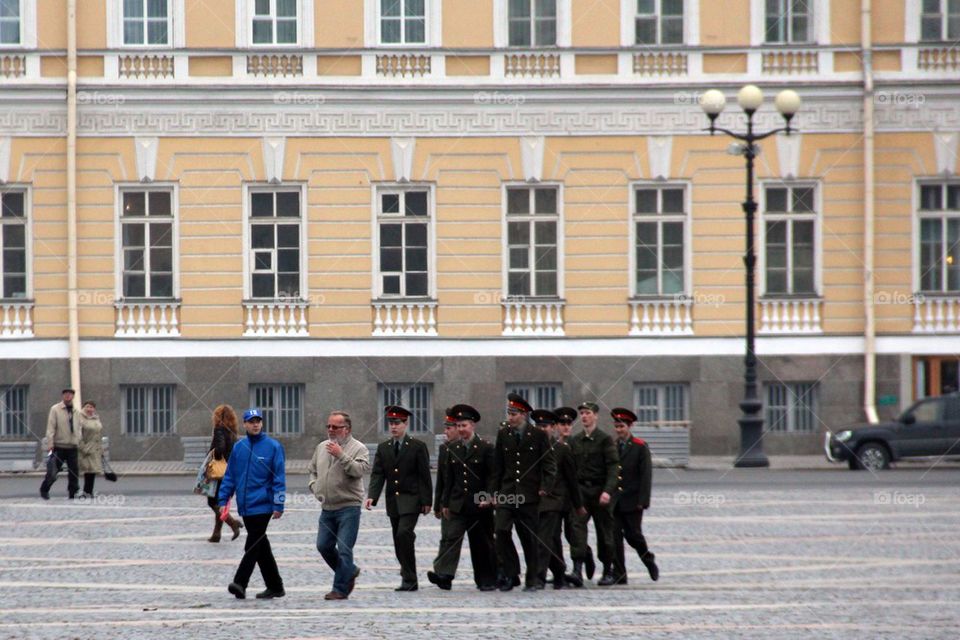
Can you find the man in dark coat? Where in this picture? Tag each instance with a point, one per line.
(401, 469)
(564, 497)
(443, 457)
(633, 495)
(467, 504)
(597, 470)
(524, 471)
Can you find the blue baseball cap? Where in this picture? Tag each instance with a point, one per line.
(251, 414)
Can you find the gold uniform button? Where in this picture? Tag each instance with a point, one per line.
(398, 493)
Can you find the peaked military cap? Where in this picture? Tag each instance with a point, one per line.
(516, 401)
(620, 414)
(396, 412)
(566, 414)
(589, 406)
(543, 416)
(465, 412)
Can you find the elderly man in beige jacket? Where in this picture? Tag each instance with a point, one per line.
(63, 439)
(336, 479)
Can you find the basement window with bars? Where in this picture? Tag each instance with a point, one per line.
(791, 407)
(147, 240)
(148, 410)
(13, 244)
(13, 411)
(282, 407)
(547, 395)
(416, 398)
(660, 405)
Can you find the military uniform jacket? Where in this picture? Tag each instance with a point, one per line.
(597, 460)
(523, 466)
(636, 475)
(566, 491)
(443, 457)
(405, 479)
(469, 475)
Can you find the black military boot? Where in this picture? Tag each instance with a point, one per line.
(559, 580)
(652, 568)
(607, 579)
(578, 570)
(590, 566)
(574, 580)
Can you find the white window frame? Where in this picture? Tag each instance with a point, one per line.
(5, 427)
(914, 23)
(941, 214)
(633, 218)
(819, 25)
(123, 187)
(501, 26)
(27, 238)
(661, 391)
(176, 27)
(426, 421)
(277, 390)
(433, 33)
(691, 25)
(561, 236)
(816, 216)
(245, 11)
(530, 390)
(265, 187)
(791, 407)
(377, 281)
(152, 431)
(28, 27)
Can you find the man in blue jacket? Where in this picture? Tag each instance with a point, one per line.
(255, 472)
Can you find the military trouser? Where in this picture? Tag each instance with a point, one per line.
(629, 526)
(602, 521)
(477, 527)
(403, 545)
(527, 520)
(551, 548)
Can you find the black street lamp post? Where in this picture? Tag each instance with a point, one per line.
(788, 103)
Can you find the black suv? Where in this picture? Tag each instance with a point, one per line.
(931, 427)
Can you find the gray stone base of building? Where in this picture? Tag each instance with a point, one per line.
(714, 389)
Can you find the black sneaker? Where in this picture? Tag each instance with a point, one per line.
(270, 593)
(237, 590)
(44, 494)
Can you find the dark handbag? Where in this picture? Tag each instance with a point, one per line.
(107, 470)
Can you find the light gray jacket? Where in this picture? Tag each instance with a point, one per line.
(338, 482)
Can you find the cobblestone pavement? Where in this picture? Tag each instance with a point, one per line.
(775, 555)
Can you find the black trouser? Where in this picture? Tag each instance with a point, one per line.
(629, 527)
(55, 464)
(477, 526)
(88, 480)
(404, 538)
(551, 548)
(257, 552)
(602, 520)
(527, 519)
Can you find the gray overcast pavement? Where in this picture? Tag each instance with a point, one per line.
(743, 554)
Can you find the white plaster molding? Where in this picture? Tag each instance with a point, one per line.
(531, 155)
(146, 154)
(660, 156)
(402, 150)
(273, 157)
(945, 146)
(5, 160)
(788, 154)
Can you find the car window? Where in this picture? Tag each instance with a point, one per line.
(951, 410)
(928, 410)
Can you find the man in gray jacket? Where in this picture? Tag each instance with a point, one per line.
(63, 439)
(336, 479)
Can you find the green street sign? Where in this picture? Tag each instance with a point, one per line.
(886, 400)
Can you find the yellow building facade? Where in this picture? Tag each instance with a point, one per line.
(315, 205)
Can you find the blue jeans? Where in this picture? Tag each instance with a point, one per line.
(336, 535)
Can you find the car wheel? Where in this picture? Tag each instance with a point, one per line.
(873, 457)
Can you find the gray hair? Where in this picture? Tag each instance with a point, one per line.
(345, 416)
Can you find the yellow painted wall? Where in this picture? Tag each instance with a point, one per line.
(725, 23)
(211, 24)
(468, 23)
(91, 23)
(845, 21)
(51, 24)
(211, 66)
(888, 21)
(338, 23)
(596, 23)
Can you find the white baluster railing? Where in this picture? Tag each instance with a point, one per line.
(16, 320)
(661, 317)
(138, 319)
(533, 318)
(275, 318)
(790, 315)
(939, 314)
(405, 318)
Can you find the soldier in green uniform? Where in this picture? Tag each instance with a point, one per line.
(564, 497)
(566, 416)
(524, 470)
(633, 495)
(443, 456)
(597, 471)
(401, 469)
(467, 504)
